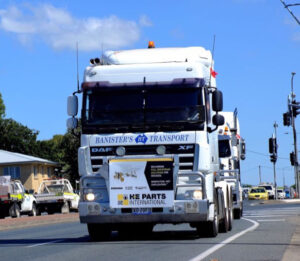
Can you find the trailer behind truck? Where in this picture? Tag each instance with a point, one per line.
(231, 151)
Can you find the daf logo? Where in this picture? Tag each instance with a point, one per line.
(95, 150)
(185, 147)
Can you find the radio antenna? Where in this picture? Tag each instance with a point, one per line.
(77, 67)
(102, 52)
(212, 59)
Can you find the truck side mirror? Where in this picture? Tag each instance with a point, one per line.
(218, 120)
(217, 101)
(72, 105)
(72, 123)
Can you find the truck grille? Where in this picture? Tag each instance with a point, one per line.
(185, 153)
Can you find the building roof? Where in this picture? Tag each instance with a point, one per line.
(7, 157)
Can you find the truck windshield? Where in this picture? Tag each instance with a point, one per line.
(224, 149)
(142, 108)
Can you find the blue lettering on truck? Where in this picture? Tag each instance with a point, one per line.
(142, 138)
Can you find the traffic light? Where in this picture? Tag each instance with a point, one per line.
(292, 158)
(272, 146)
(295, 108)
(273, 158)
(286, 119)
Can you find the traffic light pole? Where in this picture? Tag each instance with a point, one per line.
(296, 167)
(274, 163)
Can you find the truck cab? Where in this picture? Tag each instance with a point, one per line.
(149, 142)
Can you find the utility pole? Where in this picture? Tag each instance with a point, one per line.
(259, 173)
(289, 120)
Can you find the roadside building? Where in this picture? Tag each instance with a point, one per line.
(31, 171)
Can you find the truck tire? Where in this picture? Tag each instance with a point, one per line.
(237, 213)
(33, 211)
(209, 228)
(65, 208)
(14, 211)
(99, 232)
(230, 210)
(224, 223)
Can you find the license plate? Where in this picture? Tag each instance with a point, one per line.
(141, 211)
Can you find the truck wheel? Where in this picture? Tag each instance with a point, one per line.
(14, 211)
(237, 213)
(38, 211)
(224, 223)
(99, 232)
(33, 211)
(209, 228)
(230, 218)
(65, 208)
(213, 227)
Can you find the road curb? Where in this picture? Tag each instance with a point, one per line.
(26, 222)
(293, 251)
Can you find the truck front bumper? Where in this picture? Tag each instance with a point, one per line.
(182, 212)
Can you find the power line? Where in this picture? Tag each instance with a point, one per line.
(265, 155)
(287, 7)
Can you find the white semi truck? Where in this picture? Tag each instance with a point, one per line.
(231, 151)
(149, 142)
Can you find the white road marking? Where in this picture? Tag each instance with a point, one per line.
(226, 241)
(256, 216)
(46, 243)
(270, 220)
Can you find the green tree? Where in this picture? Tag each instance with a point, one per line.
(16, 137)
(2, 107)
(70, 145)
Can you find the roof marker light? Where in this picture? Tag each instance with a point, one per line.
(151, 44)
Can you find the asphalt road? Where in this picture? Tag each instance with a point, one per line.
(263, 234)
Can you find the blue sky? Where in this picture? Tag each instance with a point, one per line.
(257, 48)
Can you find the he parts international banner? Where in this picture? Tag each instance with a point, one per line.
(141, 183)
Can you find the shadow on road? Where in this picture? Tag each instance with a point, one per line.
(157, 237)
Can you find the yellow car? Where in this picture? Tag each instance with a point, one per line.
(258, 193)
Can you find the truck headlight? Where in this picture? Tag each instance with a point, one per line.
(197, 194)
(189, 194)
(90, 197)
(94, 195)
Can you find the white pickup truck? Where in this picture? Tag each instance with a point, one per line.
(14, 200)
(56, 195)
